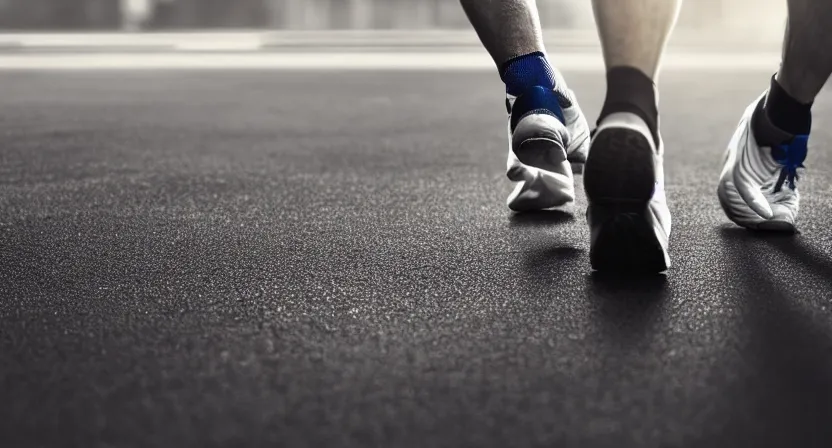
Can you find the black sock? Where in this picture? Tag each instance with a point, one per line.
(630, 90)
(785, 112)
(766, 133)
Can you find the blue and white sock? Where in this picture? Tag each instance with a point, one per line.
(524, 72)
(532, 80)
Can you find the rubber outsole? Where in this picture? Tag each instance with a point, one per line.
(776, 226)
(620, 179)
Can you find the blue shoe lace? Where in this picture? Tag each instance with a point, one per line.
(790, 157)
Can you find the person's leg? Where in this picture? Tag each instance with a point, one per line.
(807, 49)
(633, 36)
(506, 28)
(758, 183)
(628, 215)
(547, 129)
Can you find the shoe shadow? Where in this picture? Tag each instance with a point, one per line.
(544, 267)
(790, 245)
(547, 259)
(788, 383)
(628, 306)
(807, 256)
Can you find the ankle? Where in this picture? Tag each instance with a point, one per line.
(778, 117)
(787, 113)
(525, 72)
(630, 90)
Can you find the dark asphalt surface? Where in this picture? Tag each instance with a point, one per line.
(325, 259)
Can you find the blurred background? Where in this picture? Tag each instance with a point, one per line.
(150, 15)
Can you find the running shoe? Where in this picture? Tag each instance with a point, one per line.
(548, 133)
(758, 185)
(628, 216)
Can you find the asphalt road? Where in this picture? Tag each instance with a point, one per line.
(325, 259)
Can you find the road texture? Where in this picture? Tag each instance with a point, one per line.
(300, 259)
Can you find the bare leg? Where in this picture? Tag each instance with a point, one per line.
(807, 49)
(805, 68)
(507, 28)
(634, 32)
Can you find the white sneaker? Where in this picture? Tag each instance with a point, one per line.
(628, 216)
(755, 190)
(541, 148)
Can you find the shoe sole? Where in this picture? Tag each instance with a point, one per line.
(775, 226)
(542, 153)
(540, 186)
(620, 179)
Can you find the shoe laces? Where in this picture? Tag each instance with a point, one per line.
(790, 157)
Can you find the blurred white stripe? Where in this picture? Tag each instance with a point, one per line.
(357, 61)
(323, 39)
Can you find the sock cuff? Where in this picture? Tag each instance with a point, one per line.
(777, 91)
(785, 112)
(764, 131)
(527, 71)
(505, 66)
